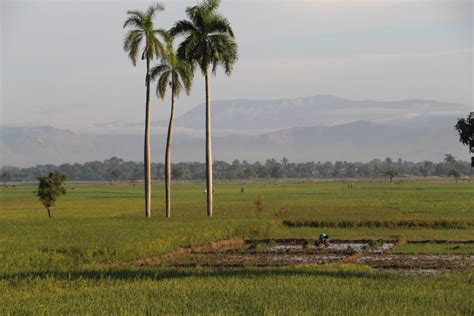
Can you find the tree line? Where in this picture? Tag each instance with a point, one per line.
(117, 169)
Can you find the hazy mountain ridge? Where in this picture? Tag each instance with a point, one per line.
(301, 129)
(253, 117)
(356, 141)
(312, 111)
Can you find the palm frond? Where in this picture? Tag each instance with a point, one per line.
(218, 24)
(162, 84)
(211, 5)
(153, 8)
(131, 44)
(182, 27)
(175, 83)
(186, 74)
(209, 38)
(157, 70)
(132, 21)
(144, 30)
(165, 34)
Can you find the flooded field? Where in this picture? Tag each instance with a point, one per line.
(377, 254)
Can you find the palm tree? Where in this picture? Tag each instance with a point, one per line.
(208, 42)
(177, 74)
(449, 159)
(143, 32)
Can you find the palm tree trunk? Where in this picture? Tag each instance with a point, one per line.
(208, 147)
(168, 158)
(147, 144)
(50, 212)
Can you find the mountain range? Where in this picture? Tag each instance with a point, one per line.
(303, 129)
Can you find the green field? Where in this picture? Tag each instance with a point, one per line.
(62, 264)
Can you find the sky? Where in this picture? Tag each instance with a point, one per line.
(62, 62)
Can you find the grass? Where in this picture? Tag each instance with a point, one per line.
(436, 248)
(61, 265)
(384, 224)
(338, 290)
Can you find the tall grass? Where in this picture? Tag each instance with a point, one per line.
(338, 290)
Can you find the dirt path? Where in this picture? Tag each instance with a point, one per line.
(207, 247)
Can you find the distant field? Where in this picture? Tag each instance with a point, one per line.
(61, 264)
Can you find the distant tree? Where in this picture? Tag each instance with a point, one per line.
(176, 73)
(116, 174)
(50, 188)
(101, 171)
(351, 170)
(208, 42)
(454, 173)
(338, 166)
(399, 162)
(143, 31)
(428, 166)
(277, 171)
(449, 159)
(179, 172)
(465, 129)
(6, 176)
(391, 174)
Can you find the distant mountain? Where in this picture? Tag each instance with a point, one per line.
(253, 117)
(312, 111)
(356, 141)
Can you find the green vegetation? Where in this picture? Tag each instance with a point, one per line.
(116, 168)
(375, 223)
(465, 129)
(63, 264)
(50, 188)
(436, 248)
(341, 290)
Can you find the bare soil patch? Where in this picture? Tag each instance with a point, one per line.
(376, 254)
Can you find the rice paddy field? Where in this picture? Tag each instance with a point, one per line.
(81, 261)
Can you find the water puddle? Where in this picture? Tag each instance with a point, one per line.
(335, 247)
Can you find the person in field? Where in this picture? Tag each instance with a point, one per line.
(323, 240)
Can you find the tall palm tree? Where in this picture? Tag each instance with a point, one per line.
(177, 74)
(143, 32)
(208, 42)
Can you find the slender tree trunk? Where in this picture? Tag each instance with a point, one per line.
(208, 147)
(50, 212)
(168, 158)
(147, 144)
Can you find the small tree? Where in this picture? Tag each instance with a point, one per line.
(391, 174)
(454, 173)
(50, 188)
(6, 176)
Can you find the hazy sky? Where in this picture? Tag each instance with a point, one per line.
(62, 62)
